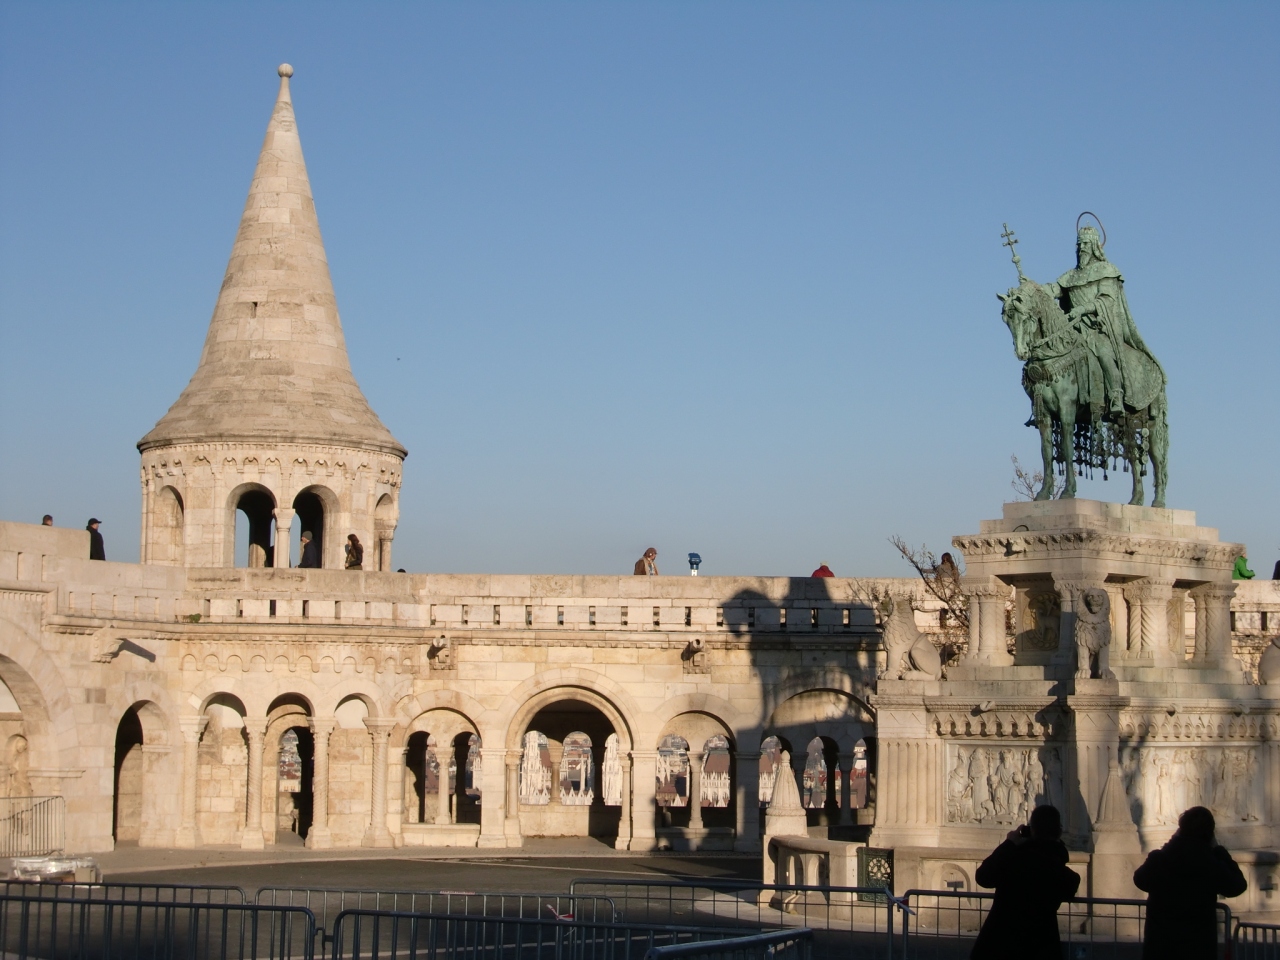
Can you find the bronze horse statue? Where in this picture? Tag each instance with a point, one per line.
(1080, 425)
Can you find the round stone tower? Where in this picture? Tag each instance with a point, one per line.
(272, 431)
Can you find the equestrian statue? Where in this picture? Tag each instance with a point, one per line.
(1097, 392)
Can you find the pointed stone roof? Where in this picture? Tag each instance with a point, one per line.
(274, 368)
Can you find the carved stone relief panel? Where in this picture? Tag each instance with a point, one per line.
(992, 784)
(1162, 781)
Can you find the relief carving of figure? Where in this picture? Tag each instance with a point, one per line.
(978, 772)
(1093, 635)
(1034, 781)
(959, 792)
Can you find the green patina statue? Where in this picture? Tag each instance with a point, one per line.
(1097, 392)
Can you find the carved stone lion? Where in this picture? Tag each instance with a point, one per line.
(1093, 635)
(908, 652)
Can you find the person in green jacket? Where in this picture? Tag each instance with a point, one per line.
(1242, 571)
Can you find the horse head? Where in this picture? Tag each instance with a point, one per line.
(1017, 317)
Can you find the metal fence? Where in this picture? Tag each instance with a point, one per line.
(942, 925)
(325, 903)
(31, 826)
(53, 928)
(134, 892)
(1256, 941)
(779, 945)
(383, 935)
(844, 920)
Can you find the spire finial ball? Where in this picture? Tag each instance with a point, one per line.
(285, 70)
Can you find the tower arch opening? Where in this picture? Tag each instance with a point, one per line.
(253, 512)
(315, 509)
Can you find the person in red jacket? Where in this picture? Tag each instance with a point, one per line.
(1031, 878)
(822, 571)
(1183, 880)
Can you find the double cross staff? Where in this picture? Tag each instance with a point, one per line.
(1011, 241)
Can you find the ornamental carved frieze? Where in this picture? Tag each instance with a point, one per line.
(244, 657)
(1002, 784)
(1022, 544)
(1198, 726)
(981, 720)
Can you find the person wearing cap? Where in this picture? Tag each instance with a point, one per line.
(822, 571)
(97, 550)
(310, 557)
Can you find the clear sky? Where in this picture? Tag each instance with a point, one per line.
(703, 276)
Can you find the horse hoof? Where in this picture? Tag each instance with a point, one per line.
(1158, 502)
(1067, 495)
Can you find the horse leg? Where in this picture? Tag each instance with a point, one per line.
(1067, 414)
(1137, 461)
(1045, 425)
(1159, 448)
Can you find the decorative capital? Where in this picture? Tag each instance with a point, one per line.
(380, 726)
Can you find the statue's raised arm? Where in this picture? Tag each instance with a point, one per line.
(1097, 391)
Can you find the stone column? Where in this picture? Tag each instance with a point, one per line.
(746, 770)
(444, 756)
(188, 836)
(1070, 591)
(644, 791)
(493, 799)
(695, 790)
(511, 827)
(255, 729)
(1213, 626)
(378, 835)
(623, 841)
(284, 526)
(318, 837)
(846, 789)
(384, 551)
(988, 596)
(1149, 612)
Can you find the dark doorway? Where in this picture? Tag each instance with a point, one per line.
(126, 814)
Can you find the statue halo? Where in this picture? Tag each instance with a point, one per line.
(1090, 213)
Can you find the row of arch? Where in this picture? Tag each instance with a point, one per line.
(256, 526)
(290, 776)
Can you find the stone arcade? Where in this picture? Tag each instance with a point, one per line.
(204, 698)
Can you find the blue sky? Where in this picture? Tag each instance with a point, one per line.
(702, 276)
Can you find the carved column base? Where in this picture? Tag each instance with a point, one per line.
(185, 838)
(319, 838)
(252, 840)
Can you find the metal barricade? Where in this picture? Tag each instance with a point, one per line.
(43, 928)
(778, 945)
(942, 925)
(31, 826)
(843, 919)
(326, 903)
(382, 935)
(138, 892)
(1255, 941)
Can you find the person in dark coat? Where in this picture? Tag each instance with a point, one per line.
(97, 549)
(355, 553)
(1031, 878)
(1183, 880)
(310, 556)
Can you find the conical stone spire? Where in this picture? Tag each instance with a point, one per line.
(274, 368)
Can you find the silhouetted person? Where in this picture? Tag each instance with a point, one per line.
(1183, 880)
(947, 567)
(97, 549)
(647, 565)
(1031, 878)
(1275, 574)
(355, 553)
(822, 571)
(310, 556)
(48, 522)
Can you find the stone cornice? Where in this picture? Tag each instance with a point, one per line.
(1108, 544)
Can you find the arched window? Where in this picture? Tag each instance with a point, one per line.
(673, 771)
(769, 753)
(310, 511)
(254, 512)
(716, 788)
(858, 776)
(535, 770)
(577, 774)
(611, 773)
(814, 796)
(474, 768)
